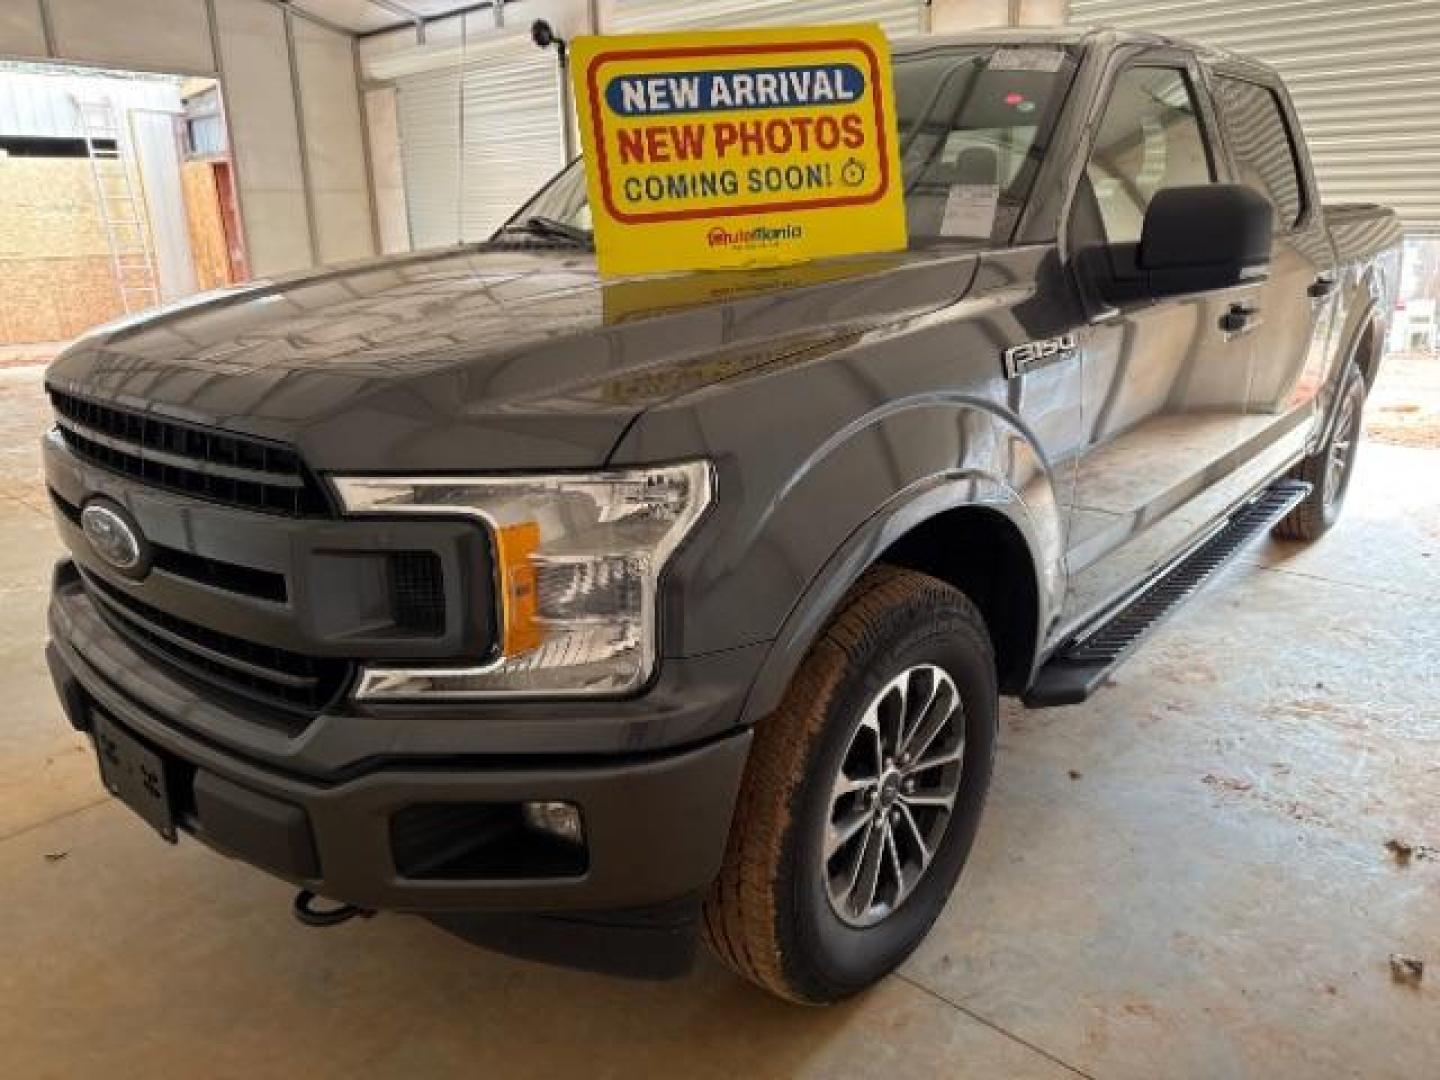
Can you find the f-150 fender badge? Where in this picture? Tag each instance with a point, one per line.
(1020, 359)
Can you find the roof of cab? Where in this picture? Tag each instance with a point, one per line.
(1069, 36)
(1000, 35)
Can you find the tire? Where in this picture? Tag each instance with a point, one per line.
(1328, 471)
(781, 913)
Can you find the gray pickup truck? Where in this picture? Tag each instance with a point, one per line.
(591, 617)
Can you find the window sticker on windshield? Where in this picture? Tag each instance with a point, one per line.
(1026, 60)
(970, 210)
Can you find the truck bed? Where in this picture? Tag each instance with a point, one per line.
(1362, 230)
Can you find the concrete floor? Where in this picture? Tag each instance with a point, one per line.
(1186, 877)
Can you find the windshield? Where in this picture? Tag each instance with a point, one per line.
(973, 125)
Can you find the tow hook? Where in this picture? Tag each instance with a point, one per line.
(305, 910)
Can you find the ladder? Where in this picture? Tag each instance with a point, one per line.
(132, 262)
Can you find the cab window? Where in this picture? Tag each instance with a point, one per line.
(1259, 138)
(1149, 139)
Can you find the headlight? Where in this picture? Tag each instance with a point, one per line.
(577, 562)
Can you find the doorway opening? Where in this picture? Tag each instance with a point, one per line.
(120, 197)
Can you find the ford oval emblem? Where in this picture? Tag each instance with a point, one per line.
(115, 538)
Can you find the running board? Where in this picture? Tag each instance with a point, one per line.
(1078, 669)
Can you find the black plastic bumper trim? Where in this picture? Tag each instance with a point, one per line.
(655, 829)
(658, 942)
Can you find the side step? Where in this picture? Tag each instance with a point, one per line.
(1078, 669)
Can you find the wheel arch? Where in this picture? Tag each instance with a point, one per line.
(940, 527)
(1362, 347)
(981, 551)
(1368, 346)
(1366, 327)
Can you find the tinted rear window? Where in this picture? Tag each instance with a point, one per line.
(1260, 141)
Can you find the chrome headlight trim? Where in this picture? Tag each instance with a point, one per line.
(478, 498)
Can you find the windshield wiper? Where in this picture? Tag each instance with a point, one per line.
(551, 229)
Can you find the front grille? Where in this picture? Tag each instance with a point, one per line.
(259, 672)
(235, 470)
(417, 592)
(232, 577)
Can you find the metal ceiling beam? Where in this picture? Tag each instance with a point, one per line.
(365, 147)
(410, 16)
(212, 23)
(421, 21)
(395, 8)
(47, 27)
(307, 183)
(309, 16)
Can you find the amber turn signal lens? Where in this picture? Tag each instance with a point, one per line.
(516, 544)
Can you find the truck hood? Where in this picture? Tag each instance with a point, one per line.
(484, 359)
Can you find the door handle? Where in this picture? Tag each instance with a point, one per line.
(1238, 318)
(1321, 287)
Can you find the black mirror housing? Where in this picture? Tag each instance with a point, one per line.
(1212, 236)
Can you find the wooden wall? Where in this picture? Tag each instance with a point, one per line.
(55, 276)
(204, 225)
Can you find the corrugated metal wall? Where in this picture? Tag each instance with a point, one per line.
(479, 133)
(899, 17)
(513, 140)
(429, 121)
(1365, 77)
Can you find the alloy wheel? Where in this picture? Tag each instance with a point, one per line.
(1342, 450)
(893, 796)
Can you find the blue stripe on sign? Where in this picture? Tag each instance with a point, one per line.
(668, 93)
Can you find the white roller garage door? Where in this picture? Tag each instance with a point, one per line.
(479, 133)
(428, 112)
(1365, 77)
(899, 17)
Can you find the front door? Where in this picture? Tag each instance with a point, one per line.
(1165, 384)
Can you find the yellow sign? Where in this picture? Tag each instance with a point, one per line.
(739, 148)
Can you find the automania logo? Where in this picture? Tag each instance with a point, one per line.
(720, 236)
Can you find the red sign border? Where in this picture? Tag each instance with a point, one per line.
(603, 165)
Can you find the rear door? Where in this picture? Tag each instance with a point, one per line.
(1292, 337)
(1165, 385)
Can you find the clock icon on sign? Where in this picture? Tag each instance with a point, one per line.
(852, 173)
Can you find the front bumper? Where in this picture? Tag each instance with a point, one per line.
(656, 818)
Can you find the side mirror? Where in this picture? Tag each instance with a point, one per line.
(1214, 236)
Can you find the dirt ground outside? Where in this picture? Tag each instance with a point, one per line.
(28, 355)
(1404, 408)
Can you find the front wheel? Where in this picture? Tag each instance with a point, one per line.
(862, 795)
(1329, 469)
